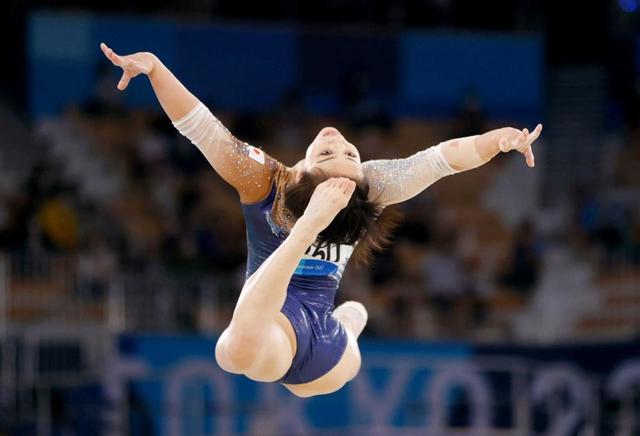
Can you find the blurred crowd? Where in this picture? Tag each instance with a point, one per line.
(606, 217)
(120, 191)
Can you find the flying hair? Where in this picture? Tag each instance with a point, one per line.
(364, 223)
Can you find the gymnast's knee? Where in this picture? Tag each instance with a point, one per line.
(236, 352)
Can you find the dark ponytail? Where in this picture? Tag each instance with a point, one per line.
(362, 220)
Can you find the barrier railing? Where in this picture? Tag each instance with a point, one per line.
(54, 331)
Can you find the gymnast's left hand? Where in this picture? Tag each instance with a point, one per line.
(521, 141)
(132, 65)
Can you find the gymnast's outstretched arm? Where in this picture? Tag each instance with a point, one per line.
(248, 169)
(396, 180)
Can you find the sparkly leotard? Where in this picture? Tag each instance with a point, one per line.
(321, 339)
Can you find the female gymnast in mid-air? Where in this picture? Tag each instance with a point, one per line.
(303, 224)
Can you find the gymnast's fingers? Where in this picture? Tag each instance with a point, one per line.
(111, 55)
(349, 187)
(528, 154)
(535, 134)
(526, 141)
(124, 81)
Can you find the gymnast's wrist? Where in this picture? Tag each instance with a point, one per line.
(304, 230)
(154, 61)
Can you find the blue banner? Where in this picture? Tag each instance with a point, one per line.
(403, 388)
(440, 69)
(253, 67)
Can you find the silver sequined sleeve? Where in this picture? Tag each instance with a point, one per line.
(396, 180)
(247, 168)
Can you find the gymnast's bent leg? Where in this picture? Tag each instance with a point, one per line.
(260, 342)
(257, 342)
(353, 316)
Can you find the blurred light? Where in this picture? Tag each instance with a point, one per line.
(628, 5)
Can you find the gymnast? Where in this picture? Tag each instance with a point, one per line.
(303, 223)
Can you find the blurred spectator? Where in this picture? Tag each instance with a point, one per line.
(449, 285)
(385, 267)
(610, 234)
(418, 224)
(96, 266)
(525, 261)
(151, 144)
(165, 190)
(58, 222)
(408, 287)
(585, 215)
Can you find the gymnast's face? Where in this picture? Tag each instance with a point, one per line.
(333, 154)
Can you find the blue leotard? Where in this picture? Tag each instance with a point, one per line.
(321, 339)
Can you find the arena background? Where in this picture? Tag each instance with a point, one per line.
(509, 303)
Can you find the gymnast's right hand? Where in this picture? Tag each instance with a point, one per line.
(132, 65)
(329, 198)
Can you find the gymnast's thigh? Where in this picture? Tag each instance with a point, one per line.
(277, 351)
